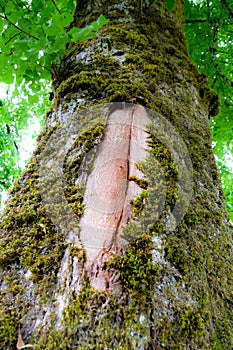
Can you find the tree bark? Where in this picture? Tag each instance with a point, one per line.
(116, 235)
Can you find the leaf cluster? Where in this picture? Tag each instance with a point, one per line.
(36, 33)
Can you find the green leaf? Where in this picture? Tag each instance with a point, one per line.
(58, 19)
(14, 16)
(170, 4)
(3, 61)
(46, 13)
(53, 29)
(33, 99)
(80, 34)
(9, 8)
(71, 5)
(22, 45)
(68, 18)
(2, 23)
(36, 6)
(4, 118)
(101, 21)
(83, 34)
(7, 77)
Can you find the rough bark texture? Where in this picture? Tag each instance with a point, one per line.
(171, 286)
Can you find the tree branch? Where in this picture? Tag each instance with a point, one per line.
(225, 62)
(12, 38)
(213, 54)
(195, 20)
(227, 9)
(55, 5)
(224, 52)
(225, 30)
(18, 28)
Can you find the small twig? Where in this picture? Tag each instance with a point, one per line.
(213, 54)
(195, 20)
(20, 343)
(18, 28)
(55, 5)
(55, 73)
(224, 52)
(12, 38)
(44, 67)
(140, 8)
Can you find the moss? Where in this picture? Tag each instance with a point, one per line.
(86, 141)
(32, 242)
(139, 181)
(122, 81)
(123, 91)
(84, 312)
(21, 222)
(8, 327)
(82, 81)
(191, 326)
(192, 322)
(139, 75)
(137, 271)
(211, 99)
(78, 253)
(139, 203)
(74, 198)
(87, 138)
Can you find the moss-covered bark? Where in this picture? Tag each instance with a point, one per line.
(166, 290)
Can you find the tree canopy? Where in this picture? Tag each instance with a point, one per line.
(36, 34)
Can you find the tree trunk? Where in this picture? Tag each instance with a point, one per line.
(116, 235)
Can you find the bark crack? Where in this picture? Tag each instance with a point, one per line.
(109, 191)
(120, 223)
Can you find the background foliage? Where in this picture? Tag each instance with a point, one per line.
(36, 33)
(209, 32)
